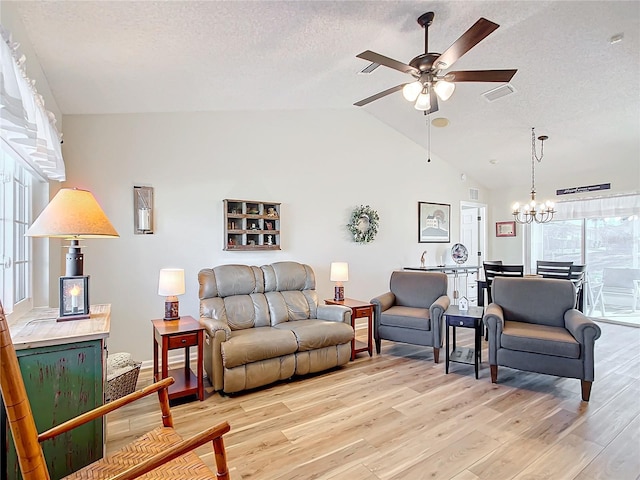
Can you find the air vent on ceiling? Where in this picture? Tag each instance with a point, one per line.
(474, 194)
(499, 92)
(369, 69)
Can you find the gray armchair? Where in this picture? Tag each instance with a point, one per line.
(412, 311)
(534, 326)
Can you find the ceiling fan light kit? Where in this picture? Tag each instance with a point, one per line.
(426, 68)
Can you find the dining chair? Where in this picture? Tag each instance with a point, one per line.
(577, 275)
(494, 269)
(159, 454)
(551, 269)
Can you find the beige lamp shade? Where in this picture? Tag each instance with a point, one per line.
(171, 282)
(72, 213)
(339, 271)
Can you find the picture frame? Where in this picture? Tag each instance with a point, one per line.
(505, 229)
(434, 222)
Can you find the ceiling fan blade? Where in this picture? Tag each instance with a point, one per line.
(469, 39)
(387, 62)
(378, 95)
(480, 75)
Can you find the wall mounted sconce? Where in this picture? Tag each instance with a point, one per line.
(143, 210)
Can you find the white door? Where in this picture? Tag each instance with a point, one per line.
(473, 237)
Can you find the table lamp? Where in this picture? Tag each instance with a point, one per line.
(73, 214)
(339, 274)
(171, 284)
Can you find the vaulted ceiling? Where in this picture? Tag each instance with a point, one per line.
(573, 83)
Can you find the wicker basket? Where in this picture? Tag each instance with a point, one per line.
(122, 376)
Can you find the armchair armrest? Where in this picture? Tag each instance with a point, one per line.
(583, 329)
(104, 409)
(436, 312)
(384, 301)
(380, 304)
(213, 325)
(334, 313)
(586, 332)
(494, 321)
(213, 434)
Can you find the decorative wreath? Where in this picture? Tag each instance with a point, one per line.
(364, 224)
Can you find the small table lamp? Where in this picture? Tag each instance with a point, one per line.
(339, 274)
(73, 214)
(171, 284)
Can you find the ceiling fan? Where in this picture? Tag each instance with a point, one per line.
(426, 68)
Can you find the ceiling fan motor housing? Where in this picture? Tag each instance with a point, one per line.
(424, 62)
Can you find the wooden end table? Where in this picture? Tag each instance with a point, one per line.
(184, 333)
(359, 309)
(471, 318)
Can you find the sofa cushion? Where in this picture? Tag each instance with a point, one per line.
(255, 344)
(542, 339)
(406, 317)
(291, 305)
(313, 334)
(281, 276)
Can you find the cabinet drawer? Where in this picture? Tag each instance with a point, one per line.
(462, 321)
(185, 340)
(361, 312)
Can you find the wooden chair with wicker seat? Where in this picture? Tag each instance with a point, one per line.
(160, 454)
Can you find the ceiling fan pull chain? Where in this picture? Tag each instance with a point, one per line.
(428, 138)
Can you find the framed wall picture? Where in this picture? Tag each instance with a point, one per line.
(434, 222)
(505, 229)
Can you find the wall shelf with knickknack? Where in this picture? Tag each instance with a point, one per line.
(251, 225)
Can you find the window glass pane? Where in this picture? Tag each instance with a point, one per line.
(558, 241)
(613, 243)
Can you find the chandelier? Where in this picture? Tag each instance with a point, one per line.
(531, 211)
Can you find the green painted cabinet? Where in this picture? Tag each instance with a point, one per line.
(63, 381)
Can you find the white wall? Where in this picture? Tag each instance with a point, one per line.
(320, 165)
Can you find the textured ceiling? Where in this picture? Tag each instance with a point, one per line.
(572, 83)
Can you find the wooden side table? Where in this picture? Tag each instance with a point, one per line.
(359, 309)
(184, 333)
(471, 318)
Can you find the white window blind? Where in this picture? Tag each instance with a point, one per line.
(26, 127)
(604, 207)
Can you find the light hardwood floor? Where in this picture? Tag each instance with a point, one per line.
(398, 416)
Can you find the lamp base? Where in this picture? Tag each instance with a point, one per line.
(339, 293)
(171, 309)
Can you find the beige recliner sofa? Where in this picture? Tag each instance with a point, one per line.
(264, 324)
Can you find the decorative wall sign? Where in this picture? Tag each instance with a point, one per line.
(588, 188)
(505, 229)
(434, 220)
(364, 224)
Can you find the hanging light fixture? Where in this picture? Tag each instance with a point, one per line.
(531, 211)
